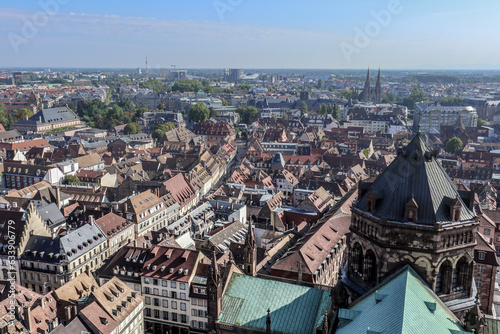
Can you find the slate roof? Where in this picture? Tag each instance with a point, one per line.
(401, 304)
(415, 172)
(294, 308)
(51, 214)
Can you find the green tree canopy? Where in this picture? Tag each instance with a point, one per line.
(323, 109)
(336, 111)
(247, 114)
(187, 86)
(303, 108)
(199, 112)
(154, 84)
(72, 180)
(160, 129)
(453, 145)
(132, 128)
(416, 95)
(481, 122)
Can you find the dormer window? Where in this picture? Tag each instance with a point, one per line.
(455, 209)
(370, 201)
(411, 210)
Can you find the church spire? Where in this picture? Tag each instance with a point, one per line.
(367, 89)
(378, 89)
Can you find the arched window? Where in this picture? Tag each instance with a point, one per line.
(443, 279)
(357, 259)
(462, 275)
(370, 266)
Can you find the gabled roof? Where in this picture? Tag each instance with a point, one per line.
(401, 304)
(293, 308)
(415, 172)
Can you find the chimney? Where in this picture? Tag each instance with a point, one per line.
(27, 318)
(75, 311)
(217, 205)
(91, 220)
(67, 313)
(58, 198)
(87, 271)
(125, 207)
(135, 243)
(205, 217)
(43, 302)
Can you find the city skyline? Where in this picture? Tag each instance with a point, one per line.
(217, 34)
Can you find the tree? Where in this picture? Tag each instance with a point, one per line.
(346, 93)
(247, 114)
(244, 87)
(323, 109)
(213, 112)
(160, 130)
(154, 84)
(187, 86)
(72, 180)
(389, 97)
(336, 111)
(132, 128)
(416, 95)
(303, 109)
(224, 101)
(199, 113)
(481, 122)
(320, 83)
(453, 145)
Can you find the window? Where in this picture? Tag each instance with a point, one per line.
(487, 231)
(183, 296)
(165, 293)
(481, 255)
(183, 318)
(146, 290)
(479, 283)
(155, 281)
(157, 314)
(183, 306)
(148, 301)
(193, 301)
(480, 268)
(498, 237)
(165, 303)
(148, 312)
(194, 312)
(147, 280)
(173, 294)
(174, 305)
(200, 302)
(156, 302)
(164, 283)
(173, 285)
(156, 292)
(182, 286)
(165, 315)
(174, 316)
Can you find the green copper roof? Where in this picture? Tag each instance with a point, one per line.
(294, 308)
(402, 304)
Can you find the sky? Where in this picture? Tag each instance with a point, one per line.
(319, 34)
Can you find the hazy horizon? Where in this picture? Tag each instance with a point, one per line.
(393, 34)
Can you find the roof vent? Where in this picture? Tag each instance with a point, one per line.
(379, 297)
(431, 306)
(171, 270)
